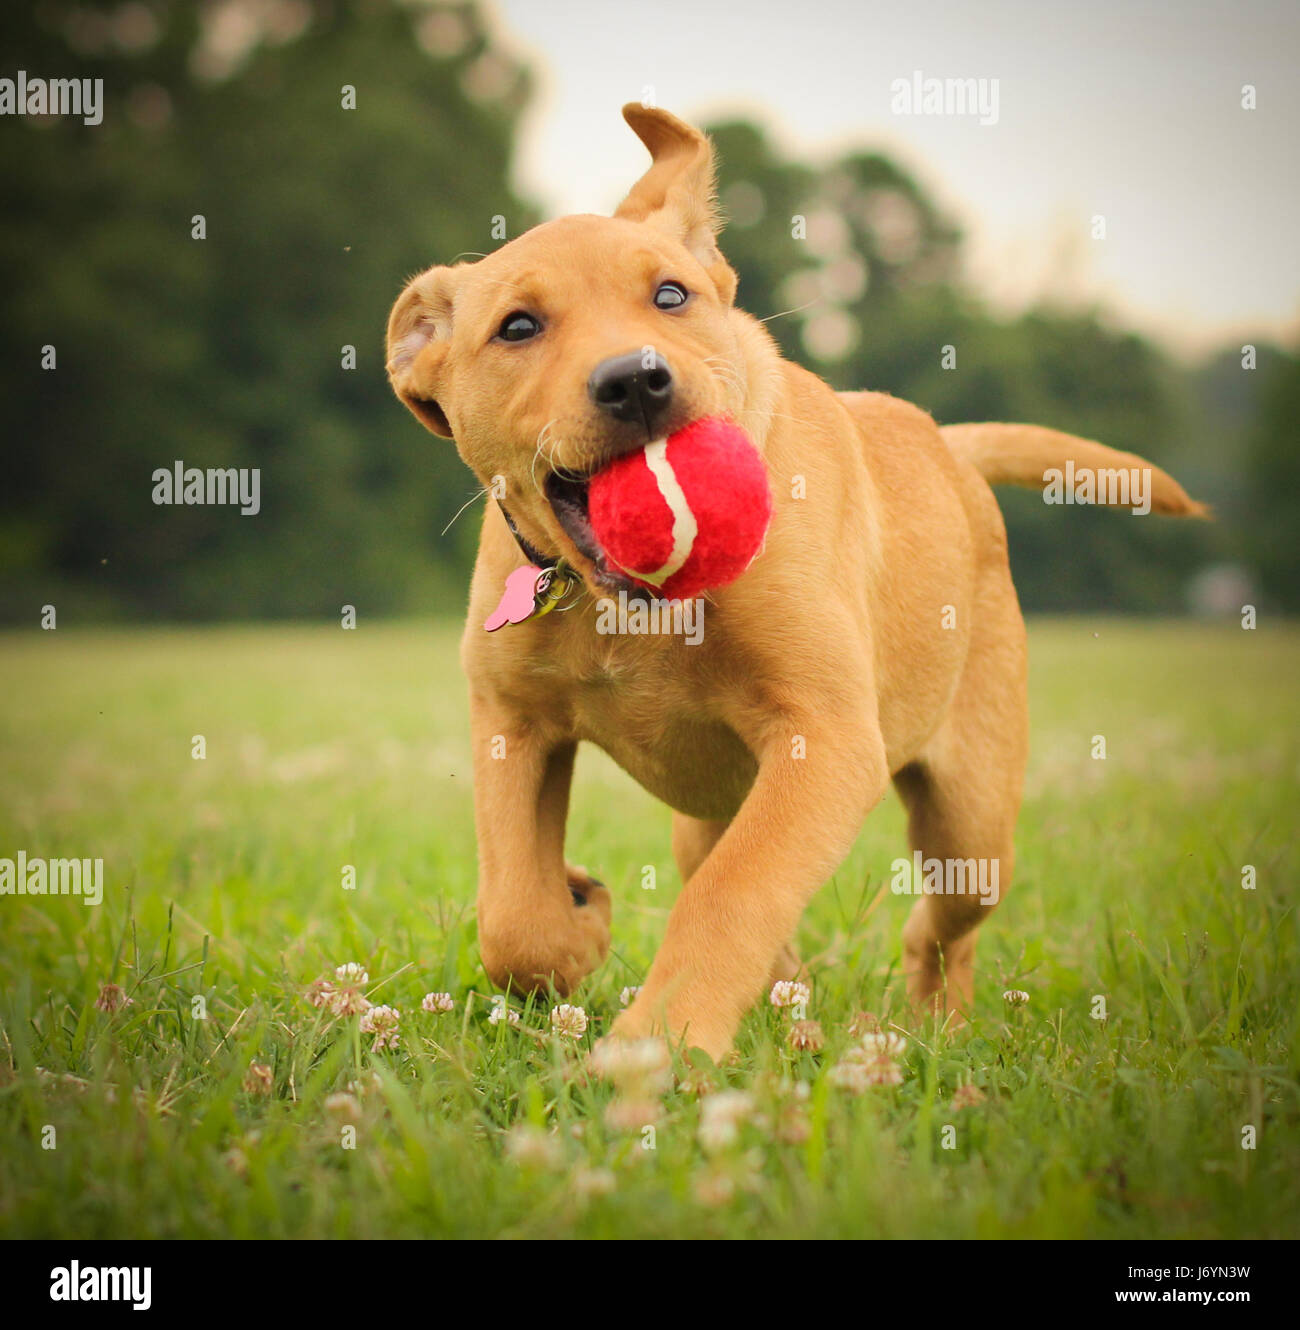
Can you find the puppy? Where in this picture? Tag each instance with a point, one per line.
(876, 637)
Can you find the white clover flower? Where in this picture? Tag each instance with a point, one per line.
(344, 998)
(382, 1023)
(531, 1147)
(643, 1063)
(626, 996)
(729, 1105)
(112, 997)
(379, 1019)
(714, 1188)
(883, 1044)
(790, 993)
(344, 1107)
(258, 1079)
(858, 1073)
(721, 1116)
(569, 1021)
(967, 1096)
(590, 1182)
(500, 1012)
(1015, 997)
(792, 1126)
(717, 1135)
(235, 1160)
(883, 1071)
(348, 1002)
(862, 1067)
(438, 1002)
(806, 1036)
(624, 1114)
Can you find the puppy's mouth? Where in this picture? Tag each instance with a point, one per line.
(568, 499)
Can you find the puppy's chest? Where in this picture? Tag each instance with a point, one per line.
(658, 713)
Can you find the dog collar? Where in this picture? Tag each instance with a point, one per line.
(535, 589)
(530, 551)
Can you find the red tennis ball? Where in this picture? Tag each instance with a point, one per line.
(686, 513)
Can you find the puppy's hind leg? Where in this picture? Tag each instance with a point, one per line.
(962, 798)
(693, 838)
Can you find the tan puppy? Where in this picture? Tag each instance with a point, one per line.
(876, 637)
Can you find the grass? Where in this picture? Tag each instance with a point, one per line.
(223, 882)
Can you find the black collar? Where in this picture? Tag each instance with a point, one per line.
(531, 552)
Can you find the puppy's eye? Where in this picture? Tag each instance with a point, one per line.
(670, 296)
(518, 327)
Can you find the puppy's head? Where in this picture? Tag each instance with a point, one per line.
(583, 339)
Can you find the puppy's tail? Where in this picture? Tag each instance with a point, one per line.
(1029, 455)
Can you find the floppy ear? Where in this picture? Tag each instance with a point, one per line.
(677, 193)
(419, 335)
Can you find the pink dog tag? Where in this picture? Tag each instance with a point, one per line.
(519, 599)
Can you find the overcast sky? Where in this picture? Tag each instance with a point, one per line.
(1129, 110)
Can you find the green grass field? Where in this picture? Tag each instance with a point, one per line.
(223, 881)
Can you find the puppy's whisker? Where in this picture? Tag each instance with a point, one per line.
(502, 281)
(728, 377)
(537, 452)
(723, 370)
(797, 309)
(545, 451)
(474, 498)
(549, 446)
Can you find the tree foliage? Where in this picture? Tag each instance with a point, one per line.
(229, 351)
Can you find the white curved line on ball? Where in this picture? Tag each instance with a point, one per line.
(685, 528)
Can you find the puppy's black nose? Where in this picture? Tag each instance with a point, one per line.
(624, 388)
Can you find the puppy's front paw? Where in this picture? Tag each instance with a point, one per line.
(679, 1028)
(556, 942)
(589, 892)
(593, 908)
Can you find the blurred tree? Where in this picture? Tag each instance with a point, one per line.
(760, 195)
(228, 351)
(1273, 494)
(873, 285)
